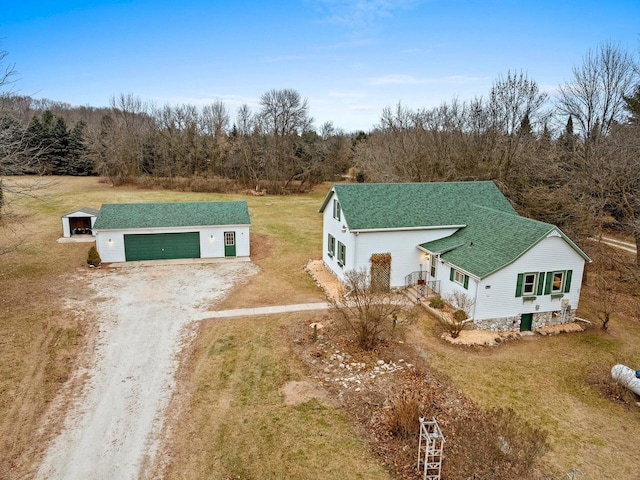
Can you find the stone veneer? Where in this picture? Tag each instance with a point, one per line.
(512, 324)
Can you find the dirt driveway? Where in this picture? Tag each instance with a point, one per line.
(144, 314)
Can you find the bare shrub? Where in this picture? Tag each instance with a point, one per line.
(207, 184)
(455, 322)
(452, 325)
(404, 413)
(461, 301)
(369, 315)
(495, 444)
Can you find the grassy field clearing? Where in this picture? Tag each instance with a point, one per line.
(233, 422)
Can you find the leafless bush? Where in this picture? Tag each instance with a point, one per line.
(370, 316)
(494, 444)
(452, 324)
(455, 322)
(405, 410)
(187, 184)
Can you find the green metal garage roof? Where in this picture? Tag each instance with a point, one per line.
(119, 216)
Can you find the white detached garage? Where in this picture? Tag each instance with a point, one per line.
(158, 231)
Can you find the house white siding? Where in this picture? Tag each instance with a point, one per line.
(405, 257)
(449, 288)
(401, 244)
(334, 227)
(497, 293)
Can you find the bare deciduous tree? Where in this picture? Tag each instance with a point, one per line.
(595, 96)
(514, 101)
(17, 157)
(284, 115)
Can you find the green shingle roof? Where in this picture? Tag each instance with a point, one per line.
(116, 216)
(490, 241)
(492, 234)
(368, 206)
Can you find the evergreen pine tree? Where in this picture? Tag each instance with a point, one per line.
(633, 106)
(79, 161)
(59, 155)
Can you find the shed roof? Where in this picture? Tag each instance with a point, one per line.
(369, 206)
(91, 211)
(118, 216)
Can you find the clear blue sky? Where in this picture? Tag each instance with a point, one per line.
(350, 59)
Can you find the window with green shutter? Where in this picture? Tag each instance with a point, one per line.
(331, 245)
(529, 283)
(538, 283)
(567, 281)
(342, 254)
(519, 284)
(458, 277)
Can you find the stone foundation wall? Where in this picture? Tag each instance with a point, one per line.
(512, 324)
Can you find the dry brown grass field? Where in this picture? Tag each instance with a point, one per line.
(231, 420)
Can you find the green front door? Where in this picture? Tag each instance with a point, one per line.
(229, 244)
(526, 321)
(160, 246)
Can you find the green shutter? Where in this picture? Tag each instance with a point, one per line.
(466, 281)
(540, 283)
(547, 283)
(451, 274)
(519, 284)
(567, 281)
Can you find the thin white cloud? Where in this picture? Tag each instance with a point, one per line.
(231, 101)
(347, 95)
(400, 79)
(394, 79)
(364, 108)
(283, 59)
(358, 14)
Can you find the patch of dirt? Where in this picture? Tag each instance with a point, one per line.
(331, 286)
(145, 316)
(563, 328)
(480, 337)
(296, 393)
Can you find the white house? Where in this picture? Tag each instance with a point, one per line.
(152, 231)
(463, 237)
(79, 222)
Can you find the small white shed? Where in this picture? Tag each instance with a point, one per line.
(79, 222)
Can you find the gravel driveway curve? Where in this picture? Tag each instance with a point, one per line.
(144, 316)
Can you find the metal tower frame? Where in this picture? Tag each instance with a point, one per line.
(430, 449)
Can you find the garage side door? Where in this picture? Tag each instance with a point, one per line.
(161, 246)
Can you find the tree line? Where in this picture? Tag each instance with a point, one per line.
(572, 160)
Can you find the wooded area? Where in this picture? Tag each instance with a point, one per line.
(572, 160)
